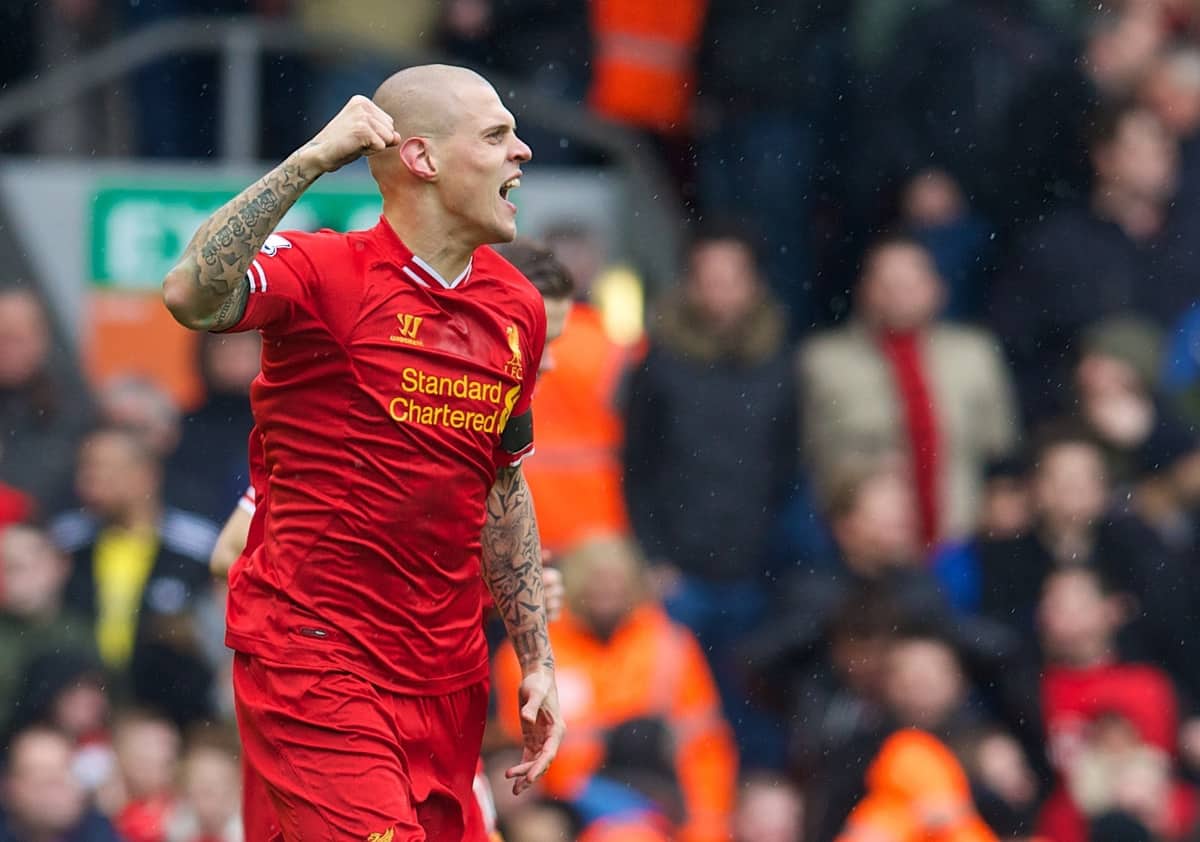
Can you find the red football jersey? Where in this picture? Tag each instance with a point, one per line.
(256, 493)
(383, 395)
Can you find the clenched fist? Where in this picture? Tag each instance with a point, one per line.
(360, 128)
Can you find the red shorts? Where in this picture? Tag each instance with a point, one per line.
(330, 757)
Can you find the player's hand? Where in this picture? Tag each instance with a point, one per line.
(541, 726)
(360, 128)
(552, 589)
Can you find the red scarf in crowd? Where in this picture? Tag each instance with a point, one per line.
(903, 352)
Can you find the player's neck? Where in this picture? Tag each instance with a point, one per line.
(428, 238)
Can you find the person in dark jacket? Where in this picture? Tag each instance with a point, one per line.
(1125, 251)
(1076, 522)
(33, 622)
(207, 474)
(140, 572)
(710, 450)
(42, 415)
(1043, 154)
(773, 83)
(42, 798)
(817, 653)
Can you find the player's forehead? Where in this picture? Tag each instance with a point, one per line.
(481, 108)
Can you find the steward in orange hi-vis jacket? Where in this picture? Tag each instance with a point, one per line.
(916, 792)
(576, 478)
(643, 72)
(621, 659)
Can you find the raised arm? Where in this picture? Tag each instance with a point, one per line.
(512, 568)
(207, 289)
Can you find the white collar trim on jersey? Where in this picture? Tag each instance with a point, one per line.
(433, 273)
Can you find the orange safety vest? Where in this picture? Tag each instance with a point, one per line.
(916, 792)
(575, 473)
(643, 71)
(651, 667)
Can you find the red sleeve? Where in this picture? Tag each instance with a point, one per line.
(516, 439)
(282, 277)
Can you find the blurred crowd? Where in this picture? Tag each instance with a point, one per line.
(883, 531)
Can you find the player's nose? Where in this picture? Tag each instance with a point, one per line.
(521, 151)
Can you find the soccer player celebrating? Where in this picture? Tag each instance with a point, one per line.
(549, 277)
(393, 406)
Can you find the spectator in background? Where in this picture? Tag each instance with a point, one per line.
(771, 80)
(140, 405)
(577, 479)
(916, 791)
(926, 685)
(42, 799)
(899, 381)
(41, 422)
(613, 290)
(207, 474)
(175, 106)
(140, 568)
(210, 790)
(648, 735)
(710, 444)
(945, 94)
(922, 682)
(541, 821)
(378, 31)
(67, 691)
(769, 809)
(1107, 720)
(821, 651)
(1048, 126)
(492, 35)
(644, 70)
(1171, 88)
(1076, 524)
(1153, 458)
(1124, 251)
(1006, 512)
(94, 125)
(148, 752)
(33, 621)
(934, 210)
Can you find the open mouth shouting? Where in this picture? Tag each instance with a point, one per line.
(512, 184)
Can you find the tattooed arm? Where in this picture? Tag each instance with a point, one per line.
(512, 567)
(207, 289)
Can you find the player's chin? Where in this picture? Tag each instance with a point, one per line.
(504, 231)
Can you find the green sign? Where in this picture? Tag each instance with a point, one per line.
(138, 232)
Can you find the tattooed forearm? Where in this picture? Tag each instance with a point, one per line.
(512, 568)
(207, 290)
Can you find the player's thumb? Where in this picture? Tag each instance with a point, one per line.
(529, 710)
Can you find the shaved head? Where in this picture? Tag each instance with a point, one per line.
(456, 158)
(427, 100)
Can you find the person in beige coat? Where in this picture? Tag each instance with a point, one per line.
(898, 383)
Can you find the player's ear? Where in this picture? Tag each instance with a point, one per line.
(417, 155)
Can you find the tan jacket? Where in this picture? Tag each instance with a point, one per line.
(852, 412)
